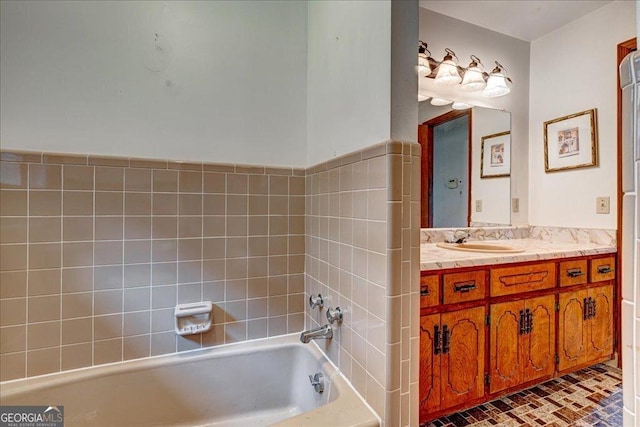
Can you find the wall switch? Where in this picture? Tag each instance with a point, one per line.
(478, 205)
(602, 205)
(515, 204)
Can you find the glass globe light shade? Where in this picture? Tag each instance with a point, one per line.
(473, 79)
(496, 86)
(438, 102)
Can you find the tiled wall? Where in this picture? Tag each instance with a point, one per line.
(96, 252)
(362, 239)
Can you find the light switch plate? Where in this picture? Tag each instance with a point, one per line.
(478, 205)
(602, 205)
(515, 204)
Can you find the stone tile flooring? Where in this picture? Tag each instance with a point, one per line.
(589, 397)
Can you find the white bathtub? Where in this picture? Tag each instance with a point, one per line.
(256, 383)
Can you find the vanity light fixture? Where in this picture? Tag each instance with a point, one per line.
(497, 83)
(422, 97)
(448, 73)
(423, 59)
(473, 76)
(438, 102)
(460, 106)
(470, 79)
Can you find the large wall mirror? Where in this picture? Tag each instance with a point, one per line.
(466, 169)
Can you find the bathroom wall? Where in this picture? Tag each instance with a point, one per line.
(574, 69)
(175, 80)
(465, 39)
(96, 252)
(362, 239)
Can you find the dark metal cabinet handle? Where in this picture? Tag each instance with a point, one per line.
(464, 287)
(604, 269)
(575, 272)
(593, 308)
(585, 309)
(446, 339)
(529, 316)
(522, 323)
(424, 292)
(436, 340)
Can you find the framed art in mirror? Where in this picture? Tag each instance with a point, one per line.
(495, 155)
(571, 142)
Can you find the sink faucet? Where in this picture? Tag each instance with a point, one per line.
(322, 333)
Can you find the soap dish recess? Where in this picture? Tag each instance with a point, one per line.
(193, 318)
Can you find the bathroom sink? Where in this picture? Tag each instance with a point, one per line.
(479, 247)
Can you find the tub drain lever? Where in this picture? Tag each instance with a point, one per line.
(317, 381)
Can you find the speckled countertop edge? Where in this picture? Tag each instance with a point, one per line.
(435, 258)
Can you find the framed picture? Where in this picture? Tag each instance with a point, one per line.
(571, 142)
(495, 156)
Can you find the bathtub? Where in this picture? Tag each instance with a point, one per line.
(257, 383)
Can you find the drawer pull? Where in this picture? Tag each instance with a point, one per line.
(574, 272)
(424, 292)
(446, 339)
(529, 318)
(604, 269)
(523, 326)
(436, 340)
(464, 287)
(586, 308)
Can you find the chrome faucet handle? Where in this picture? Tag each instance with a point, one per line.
(317, 381)
(316, 301)
(334, 314)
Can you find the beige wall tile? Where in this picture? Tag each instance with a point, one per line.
(77, 305)
(188, 293)
(214, 182)
(13, 203)
(237, 204)
(77, 254)
(137, 227)
(137, 180)
(76, 331)
(256, 329)
(12, 366)
(43, 335)
(190, 182)
(137, 251)
(137, 275)
(109, 179)
(237, 183)
(108, 277)
(165, 273)
(165, 204)
(78, 279)
(107, 327)
(13, 230)
(45, 255)
(189, 204)
(77, 228)
(235, 332)
(189, 271)
(44, 308)
(164, 250)
(163, 343)
(107, 351)
(108, 253)
(213, 291)
(13, 284)
(13, 311)
(40, 362)
(45, 203)
(214, 248)
(258, 225)
(13, 175)
(75, 203)
(109, 228)
(277, 325)
(107, 302)
(137, 323)
(237, 226)
(236, 247)
(44, 282)
(77, 356)
(44, 229)
(165, 181)
(137, 347)
(258, 184)
(13, 339)
(163, 296)
(189, 226)
(214, 204)
(109, 203)
(42, 176)
(77, 177)
(137, 203)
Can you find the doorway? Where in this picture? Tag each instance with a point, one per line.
(446, 170)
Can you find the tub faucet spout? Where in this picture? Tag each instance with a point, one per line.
(322, 333)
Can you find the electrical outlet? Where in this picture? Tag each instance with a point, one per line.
(515, 204)
(602, 205)
(478, 205)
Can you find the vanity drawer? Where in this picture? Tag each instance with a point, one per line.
(603, 269)
(462, 287)
(429, 291)
(573, 272)
(512, 280)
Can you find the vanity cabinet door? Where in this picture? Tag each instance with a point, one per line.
(539, 343)
(572, 329)
(463, 356)
(430, 350)
(505, 356)
(600, 324)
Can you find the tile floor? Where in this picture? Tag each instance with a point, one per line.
(589, 397)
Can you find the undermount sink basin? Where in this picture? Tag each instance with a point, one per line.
(479, 247)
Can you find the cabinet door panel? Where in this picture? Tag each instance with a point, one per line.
(600, 335)
(463, 364)
(429, 366)
(504, 354)
(572, 330)
(539, 343)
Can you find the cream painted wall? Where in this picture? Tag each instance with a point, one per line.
(349, 77)
(465, 39)
(574, 69)
(228, 85)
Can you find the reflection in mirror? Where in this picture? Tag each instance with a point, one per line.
(453, 192)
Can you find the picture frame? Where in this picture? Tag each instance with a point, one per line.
(495, 155)
(571, 142)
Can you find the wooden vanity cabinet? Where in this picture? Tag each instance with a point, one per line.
(522, 341)
(585, 327)
(451, 359)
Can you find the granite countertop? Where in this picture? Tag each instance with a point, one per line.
(435, 258)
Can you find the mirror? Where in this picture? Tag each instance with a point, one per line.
(466, 166)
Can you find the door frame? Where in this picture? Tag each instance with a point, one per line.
(624, 49)
(425, 139)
